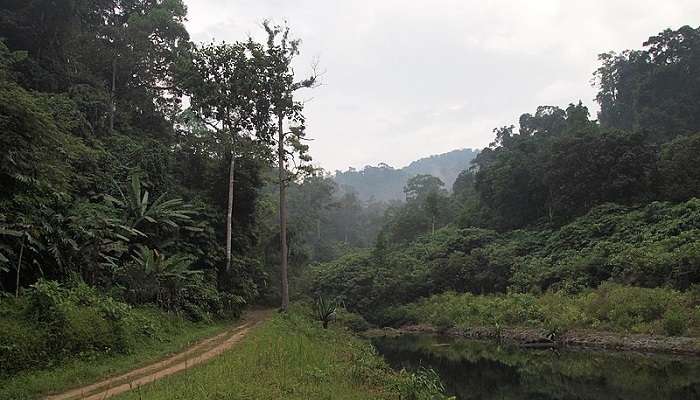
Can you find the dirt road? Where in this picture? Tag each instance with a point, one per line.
(199, 353)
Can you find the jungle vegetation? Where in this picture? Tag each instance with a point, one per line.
(149, 182)
(559, 206)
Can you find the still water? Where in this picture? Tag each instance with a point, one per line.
(488, 371)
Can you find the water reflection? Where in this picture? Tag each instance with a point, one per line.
(488, 371)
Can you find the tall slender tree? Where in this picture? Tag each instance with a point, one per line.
(281, 51)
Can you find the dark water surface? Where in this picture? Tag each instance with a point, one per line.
(487, 370)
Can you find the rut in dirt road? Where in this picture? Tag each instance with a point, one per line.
(195, 355)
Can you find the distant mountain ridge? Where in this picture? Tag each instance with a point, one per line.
(385, 183)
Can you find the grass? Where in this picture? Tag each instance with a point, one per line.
(292, 357)
(174, 334)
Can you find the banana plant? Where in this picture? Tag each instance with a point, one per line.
(170, 275)
(161, 267)
(139, 209)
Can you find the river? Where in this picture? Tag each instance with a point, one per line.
(485, 370)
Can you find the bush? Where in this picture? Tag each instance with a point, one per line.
(352, 321)
(54, 322)
(627, 308)
(611, 307)
(675, 323)
(424, 384)
(21, 345)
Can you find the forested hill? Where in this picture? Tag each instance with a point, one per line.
(384, 183)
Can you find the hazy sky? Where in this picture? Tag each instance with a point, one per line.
(407, 79)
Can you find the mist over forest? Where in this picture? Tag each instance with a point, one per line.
(385, 183)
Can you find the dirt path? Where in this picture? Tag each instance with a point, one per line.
(201, 352)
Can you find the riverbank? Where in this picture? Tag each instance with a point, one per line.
(539, 338)
(610, 317)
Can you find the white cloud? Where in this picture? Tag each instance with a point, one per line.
(407, 79)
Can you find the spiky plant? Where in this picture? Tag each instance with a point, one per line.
(139, 209)
(165, 277)
(325, 311)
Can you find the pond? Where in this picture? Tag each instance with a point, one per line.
(486, 370)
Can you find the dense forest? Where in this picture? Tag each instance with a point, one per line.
(138, 169)
(107, 178)
(153, 187)
(561, 204)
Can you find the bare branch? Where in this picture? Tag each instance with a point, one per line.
(211, 125)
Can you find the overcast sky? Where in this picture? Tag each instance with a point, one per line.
(407, 79)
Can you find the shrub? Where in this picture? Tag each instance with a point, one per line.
(423, 384)
(21, 345)
(352, 321)
(610, 307)
(54, 322)
(675, 323)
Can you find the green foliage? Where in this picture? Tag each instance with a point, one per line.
(649, 246)
(653, 89)
(153, 277)
(420, 186)
(139, 210)
(162, 335)
(678, 178)
(54, 323)
(556, 167)
(675, 322)
(611, 307)
(354, 322)
(325, 311)
(559, 163)
(89, 95)
(424, 384)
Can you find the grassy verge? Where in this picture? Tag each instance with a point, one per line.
(171, 335)
(58, 336)
(291, 357)
(610, 307)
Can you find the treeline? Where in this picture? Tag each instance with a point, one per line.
(563, 204)
(560, 164)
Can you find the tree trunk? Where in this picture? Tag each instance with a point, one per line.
(229, 210)
(433, 227)
(283, 214)
(112, 101)
(19, 266)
